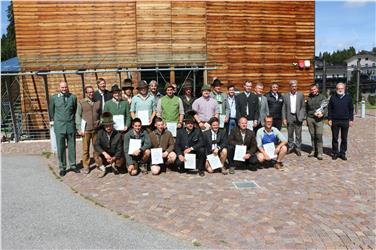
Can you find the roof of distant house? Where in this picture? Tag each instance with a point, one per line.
(10, 66)
(362, 54)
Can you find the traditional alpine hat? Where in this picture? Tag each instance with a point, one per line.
(106, 118)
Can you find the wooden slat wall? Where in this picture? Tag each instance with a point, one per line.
(260, 41)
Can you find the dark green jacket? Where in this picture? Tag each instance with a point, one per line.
(313, 103)
(121, 108)
(112, 145)
(62, 112)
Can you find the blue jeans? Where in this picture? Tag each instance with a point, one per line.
(231, 124)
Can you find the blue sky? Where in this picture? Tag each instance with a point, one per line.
(339, 24)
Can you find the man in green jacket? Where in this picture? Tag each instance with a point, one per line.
(315, 119)
(170, 107)
(119, 110)
(62, 115)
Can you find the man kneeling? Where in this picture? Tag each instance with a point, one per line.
(140, 156)
(269, 134)
(161, 138)
(108, 150)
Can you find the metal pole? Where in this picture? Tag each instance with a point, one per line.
(83, 84)
(194, 83)
(324, 77)
(12, 114)
(45, 80)
(357, 86)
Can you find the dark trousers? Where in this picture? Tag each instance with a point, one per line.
(277, 123)
(294, 126)
(232, 122)
(200, 160)
(231, 152)
(343, 126)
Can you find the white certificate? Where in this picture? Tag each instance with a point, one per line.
(172, 127)
(83, 125)
(222, 121)
(240, 151)
(190, 161)
(214, 161)
(270, 150)
(156, 156)
(144, 117)
(119, 122)
(134, 144)
(53, 140)
(250, 125)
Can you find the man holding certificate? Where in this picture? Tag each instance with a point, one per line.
(316, 107)
(87, 122)
(242, 147)
(170, 107)
(221, 98)
(216, 144)
(143, 105)
(137, 148)
(163, 146)
(108, 150)
(119, 110)
(271, 144)
(190, 142)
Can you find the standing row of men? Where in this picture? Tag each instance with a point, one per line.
(289, 109)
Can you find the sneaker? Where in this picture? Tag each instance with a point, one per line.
(86, 170)
(319, 157)
(224, 171)
(144, 169)
(102, 170)
(114, 169)
(232, 170)
(312, 154)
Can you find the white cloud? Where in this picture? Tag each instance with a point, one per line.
(356, 3)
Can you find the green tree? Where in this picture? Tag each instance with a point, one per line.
(8, 40)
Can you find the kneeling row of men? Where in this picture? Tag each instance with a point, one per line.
(134, 149)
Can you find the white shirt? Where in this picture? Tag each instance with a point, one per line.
(231, 103)
(292, 103)
(214, 138)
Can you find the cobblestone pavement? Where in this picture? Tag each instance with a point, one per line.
(315, 204)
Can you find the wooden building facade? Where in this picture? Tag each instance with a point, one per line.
(257, 40)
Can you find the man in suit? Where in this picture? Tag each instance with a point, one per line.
(189, 140)
(340, 118)
(247, 105)
(63, 108)
(102, 94)
(293, 113)
(263, 105)
(216, 143)
(241, 135)
(275, 104)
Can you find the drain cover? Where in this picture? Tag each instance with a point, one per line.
(245, 184)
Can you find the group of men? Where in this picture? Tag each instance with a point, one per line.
(217, 131)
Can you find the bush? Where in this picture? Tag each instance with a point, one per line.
(372, 99)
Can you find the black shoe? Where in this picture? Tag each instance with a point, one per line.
(76, 170)
(201, 173)
(297, 152)
(252, 168)
(343, 157)
(181, 170)
(334, 157)
(62, 173)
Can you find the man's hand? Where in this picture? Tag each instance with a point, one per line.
(202, 125)
(81, 133)
(150, 121)
(351, 123)
(181, 158)
(247, 156)
(165, 154)
(215, 151)
(137, 152)
(180, 125)
(255, 123)
(226, 119)
(187, 150)
(125, 128)
(285, 122)
(330, 122)
(108, 157)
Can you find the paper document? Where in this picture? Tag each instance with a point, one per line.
(270, 150)
(190, 161)
(134, 144)
(83, 125)
(156, 156)
(214, 161)
(222, 121)
(172, 127)
(240, 151)
(144, 117)
(119, 122)
(250, 125)
(53, 140)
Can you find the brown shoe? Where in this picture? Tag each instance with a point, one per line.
(86, 170)
(144, 168)
(298, 153)
(278, 166)
(224, 171)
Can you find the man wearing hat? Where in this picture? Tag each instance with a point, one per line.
(190, 141)
(139, 157)
(221, 98)
(187, 97)
(127, 91)
(87, 122)
(108, 146)
(206, 108)
(62, 114)
(143, 102)
(170, 107)
(118, 108)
